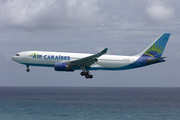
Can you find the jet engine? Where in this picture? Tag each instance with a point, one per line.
(62, 67)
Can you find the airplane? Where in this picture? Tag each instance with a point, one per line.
(63, 61)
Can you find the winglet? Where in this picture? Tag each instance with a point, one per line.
(104, 51)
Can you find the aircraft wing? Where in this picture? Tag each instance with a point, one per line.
(87, 61)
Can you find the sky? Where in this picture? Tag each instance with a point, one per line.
(125, 27)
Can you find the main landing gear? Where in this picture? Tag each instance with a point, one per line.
(86, 74)
(27, 70)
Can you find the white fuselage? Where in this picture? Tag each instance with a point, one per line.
(42, 58)
(63, 61)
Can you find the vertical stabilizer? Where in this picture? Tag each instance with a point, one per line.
(156, 49)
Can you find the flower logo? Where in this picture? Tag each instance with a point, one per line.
(154, 51)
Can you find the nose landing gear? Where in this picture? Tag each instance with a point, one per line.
(27, 70)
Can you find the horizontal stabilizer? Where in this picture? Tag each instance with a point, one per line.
(155, 60)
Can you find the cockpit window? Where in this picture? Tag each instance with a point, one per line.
(17, 54)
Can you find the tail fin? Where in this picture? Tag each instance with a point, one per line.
(156, 49)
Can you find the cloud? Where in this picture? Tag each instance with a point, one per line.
(48, 14)
(159, 12)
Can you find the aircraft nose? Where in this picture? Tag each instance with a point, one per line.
(13, 58)
(16, 57)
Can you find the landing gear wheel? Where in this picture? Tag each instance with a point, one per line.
(82, 73)
(87, 76)
(86, 73)
(90, 76)
(27, 70)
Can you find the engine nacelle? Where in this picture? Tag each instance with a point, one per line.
(62, 67)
